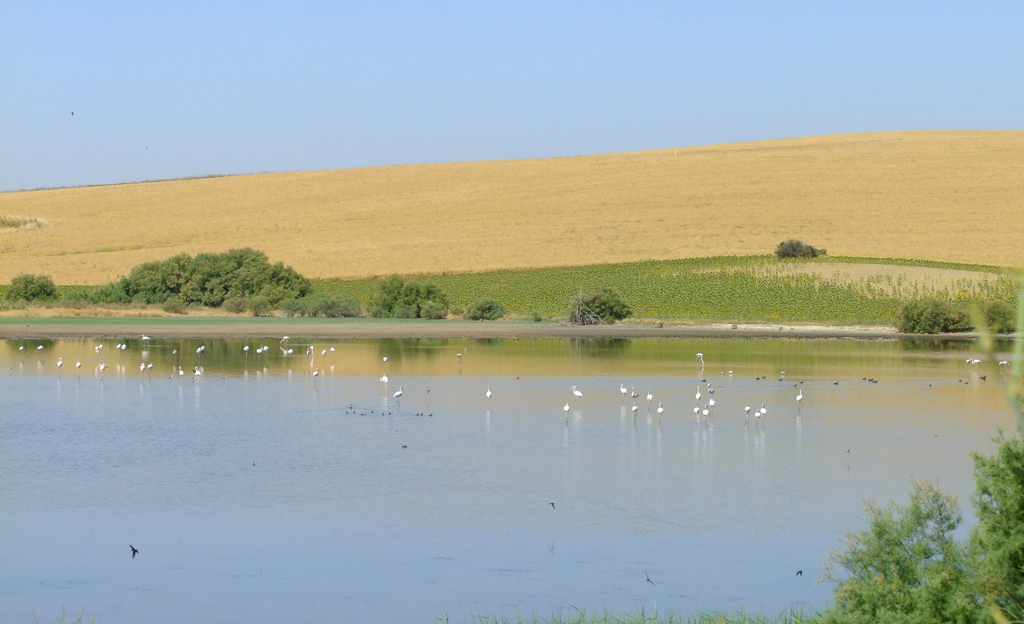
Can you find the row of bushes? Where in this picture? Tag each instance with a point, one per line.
(243, 280)
(932, 316)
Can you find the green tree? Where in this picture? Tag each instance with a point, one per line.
(997, 540)
(906, 567)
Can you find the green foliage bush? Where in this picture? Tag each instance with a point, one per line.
(1001, 317)
(485, 310)
(932, 316)
(236, 305)
(330, 307)
(906, 566)
(794, 248)
(604, 306)
(608, 305)
(174, 305)
(401, 299)
(27, 287)
(207, 279)
(260, 306)
(433, 310)
(998, 537)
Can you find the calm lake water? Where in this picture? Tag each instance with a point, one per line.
(261, 493)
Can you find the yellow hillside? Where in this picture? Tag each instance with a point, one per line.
(955, 196)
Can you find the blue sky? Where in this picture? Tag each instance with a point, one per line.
(168, 89)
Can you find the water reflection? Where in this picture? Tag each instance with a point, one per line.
(256, 489)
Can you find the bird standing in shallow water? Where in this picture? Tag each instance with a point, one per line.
(398, 395)
(799, 397)
(488, 394)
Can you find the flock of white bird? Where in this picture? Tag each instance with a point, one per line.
(700, 412)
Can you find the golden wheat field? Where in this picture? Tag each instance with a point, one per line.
(951, 196)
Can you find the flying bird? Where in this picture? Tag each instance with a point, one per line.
(135, 550)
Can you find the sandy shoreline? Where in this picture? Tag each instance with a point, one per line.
(21, 328)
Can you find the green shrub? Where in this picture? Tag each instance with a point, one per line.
(294, 307)
(333, 307)
(998, 537)
(330, 307)
(605, 306)
(608, 305)
(236, 305)
(906, 566)
(794, 248)
(1001, 317)
(260, 306)
(536, 317)
(26, 287)
(401, 299)
(932, 316)
(207, 279)
(174, 305)
(111, 293)
(432, 310)
(485, 310)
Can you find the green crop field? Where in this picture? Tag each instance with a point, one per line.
(836, 291)
(720, 288)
